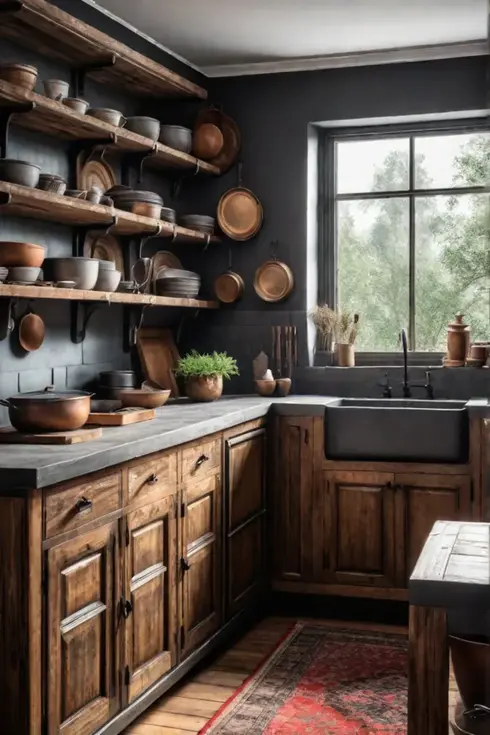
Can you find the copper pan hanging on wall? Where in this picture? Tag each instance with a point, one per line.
(240, 213)
(229, 286)
(273, 280)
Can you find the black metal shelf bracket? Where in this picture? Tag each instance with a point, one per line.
(133, 315)
(93, 145)
(79, 73)
(7, 321)
(80, 315)
(80, 233)
(6, 112)
(133, 160)
(148, 236)
(5, 198)
(179, 180)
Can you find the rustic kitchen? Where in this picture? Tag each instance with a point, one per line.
(244, 382)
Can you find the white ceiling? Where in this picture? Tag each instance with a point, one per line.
(211, 33)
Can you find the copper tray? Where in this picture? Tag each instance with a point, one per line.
(273, 281)
(240, 214)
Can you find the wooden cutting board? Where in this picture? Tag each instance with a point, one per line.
(123, 418)
(159, 357)
(11, 436)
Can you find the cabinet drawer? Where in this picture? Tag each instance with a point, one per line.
(201, 460)
(69, 507)
(152, 478)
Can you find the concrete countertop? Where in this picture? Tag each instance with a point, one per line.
(27, 466)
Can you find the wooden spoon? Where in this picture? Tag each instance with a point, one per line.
(31, 332)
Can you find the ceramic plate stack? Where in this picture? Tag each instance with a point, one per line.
(200, 222)
(3, 274)
(178, 283)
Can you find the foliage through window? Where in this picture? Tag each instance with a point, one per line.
(410, 231)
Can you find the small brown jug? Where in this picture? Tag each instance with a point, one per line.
(457, 339)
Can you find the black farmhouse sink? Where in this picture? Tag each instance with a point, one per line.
(407, 430)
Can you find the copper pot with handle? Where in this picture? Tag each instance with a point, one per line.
(48, 410)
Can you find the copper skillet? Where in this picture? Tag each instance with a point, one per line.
(240, 213)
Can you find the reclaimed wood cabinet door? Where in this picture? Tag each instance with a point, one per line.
(293, 497)
(430, 498)
(201, 568)
(83, 577)
(362, 515)
(149, 603)
(245, 511)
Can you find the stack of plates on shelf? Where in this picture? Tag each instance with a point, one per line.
(199, 222)
(3, 274)
(176, 282)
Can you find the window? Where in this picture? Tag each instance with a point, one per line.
(406, 233)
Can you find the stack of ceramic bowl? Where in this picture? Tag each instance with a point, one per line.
(3, 273)
(169, 215)
(199, 222)
(113, 382)
(146, 203)
(178, 283)
(108, 278)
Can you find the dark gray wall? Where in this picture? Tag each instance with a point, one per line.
(59, 361)
(274, 113)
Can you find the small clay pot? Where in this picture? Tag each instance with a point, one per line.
(346, 356)
(76, 104)
(56, 89)
(265, 387)
(204, 389)
(283, 387)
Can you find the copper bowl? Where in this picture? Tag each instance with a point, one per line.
(21, 254)
(141, 398)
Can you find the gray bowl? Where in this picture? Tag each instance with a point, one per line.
(19, 172)
(106, 265)
(84, 271)
(23, 274)
(168, 215)
(165, 273)
(176, 137)
(149, 127)
(108, 280)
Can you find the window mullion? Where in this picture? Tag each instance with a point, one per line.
(411, 225)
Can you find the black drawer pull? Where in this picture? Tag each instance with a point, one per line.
(152, 479)
(126, 608)
(83, 506)
(185, 565)
(203, 458)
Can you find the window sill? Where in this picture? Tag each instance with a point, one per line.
(382, 359)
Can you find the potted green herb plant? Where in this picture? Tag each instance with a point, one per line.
(204, 374)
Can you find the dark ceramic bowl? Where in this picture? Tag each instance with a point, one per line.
(118, 379)
(149, 127)
(168, 215)
(176, 137)
(19, 172)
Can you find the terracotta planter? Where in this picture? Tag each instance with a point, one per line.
(471, 662)
(204, 389)
(346, 356)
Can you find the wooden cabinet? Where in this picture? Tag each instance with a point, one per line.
(294, 489)
(430, 498)
(149, 602)
(82, 632)
(201, 562)
(245, 515)
(358, 544)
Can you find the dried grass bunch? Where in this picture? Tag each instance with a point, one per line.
(334, 326)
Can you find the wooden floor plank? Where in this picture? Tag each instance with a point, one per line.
(188, 723)
(208, 692)
(187, 706)
(221, 678)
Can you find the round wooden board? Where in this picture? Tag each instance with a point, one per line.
(104, 247)
(240, 214)
(273, 281)
(96, 173)
(163, 259)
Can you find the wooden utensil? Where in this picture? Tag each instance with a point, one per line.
(104, 247)
(159, 357)
(31, 332)
(11, 436)
(273, 281)
(121, 417)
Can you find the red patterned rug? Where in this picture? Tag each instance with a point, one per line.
(323, 681)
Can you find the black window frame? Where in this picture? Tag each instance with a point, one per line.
(327, 225)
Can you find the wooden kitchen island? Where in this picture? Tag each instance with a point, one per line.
(129, 559)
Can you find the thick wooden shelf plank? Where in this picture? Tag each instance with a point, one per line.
(71, 294)
(54, 118)
(42, 205)
(56, 34)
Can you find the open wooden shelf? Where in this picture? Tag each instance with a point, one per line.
(71, 294)
(42, 205)
(54, 118)
(58, 35)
